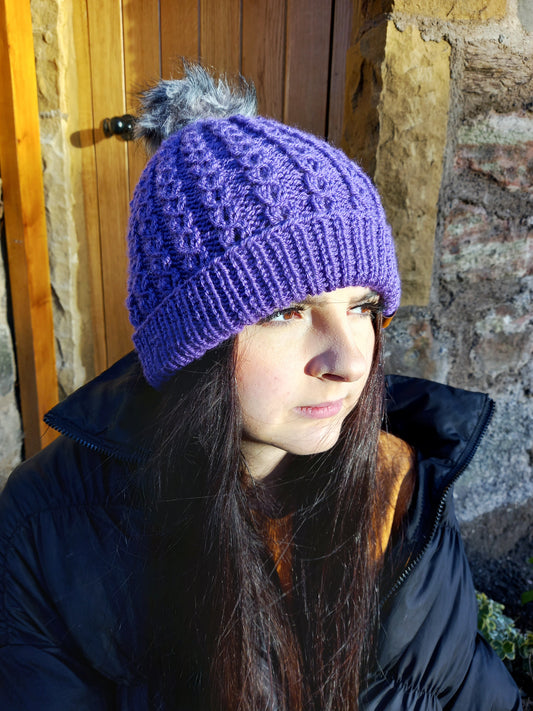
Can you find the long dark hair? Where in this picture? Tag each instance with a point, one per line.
(226, 624)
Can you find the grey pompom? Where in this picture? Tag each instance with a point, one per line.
(173, 103)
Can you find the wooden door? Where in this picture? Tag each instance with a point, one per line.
(294, 51)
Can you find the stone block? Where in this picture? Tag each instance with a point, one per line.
(481, 245)
(525, 14)
(451, 10)
(509, 166)
(495, 479)
(365, 11)
(364, 86)
(496, 77)
(7, 361)
(11, 436)
(413, 115)
(488, 228)
(475, 10)
(10, 430)
(503, 342)
(57, 93)
(47, 52)
(395, 125)
(63, 249)
(411, 347)
(500, 148)
(44, 13)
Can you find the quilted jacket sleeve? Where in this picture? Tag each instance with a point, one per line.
(60, 581)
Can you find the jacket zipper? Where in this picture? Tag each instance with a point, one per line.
(484, 422)
(51, 421)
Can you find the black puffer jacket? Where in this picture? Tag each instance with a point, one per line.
(72, 553)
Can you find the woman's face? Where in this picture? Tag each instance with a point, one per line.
(300, 372)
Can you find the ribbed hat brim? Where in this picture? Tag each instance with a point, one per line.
(264, 273)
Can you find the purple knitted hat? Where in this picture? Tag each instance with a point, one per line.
(236, 217)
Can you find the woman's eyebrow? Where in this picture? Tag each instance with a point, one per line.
(320, 301)
(370, 295)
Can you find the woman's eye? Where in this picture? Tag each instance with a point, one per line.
(282, 316)
(369, 309)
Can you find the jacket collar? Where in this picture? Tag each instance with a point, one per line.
(441, 422)
(445, 426)
(115, 414)
(112, 414)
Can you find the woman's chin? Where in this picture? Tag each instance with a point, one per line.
(317, 444)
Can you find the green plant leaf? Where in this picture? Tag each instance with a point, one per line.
(526, 597)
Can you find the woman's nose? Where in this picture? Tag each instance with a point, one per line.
(339, 357)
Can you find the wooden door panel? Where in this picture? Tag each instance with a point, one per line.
(342, 27)
(307, 72)
(142, 65)
(179, 34)
(220, 40)
(93, 272)
(263, 52)
(108, 92)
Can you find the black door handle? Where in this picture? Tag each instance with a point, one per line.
(119, 126)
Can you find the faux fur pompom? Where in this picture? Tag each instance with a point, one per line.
(173, 103)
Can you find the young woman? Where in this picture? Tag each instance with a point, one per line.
(229, 520)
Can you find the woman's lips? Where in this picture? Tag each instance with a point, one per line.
(322, 410)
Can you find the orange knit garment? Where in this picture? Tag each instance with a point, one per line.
(395, 458)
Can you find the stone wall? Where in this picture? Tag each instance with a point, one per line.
(55, 61)
(10, 432)
(462, 209)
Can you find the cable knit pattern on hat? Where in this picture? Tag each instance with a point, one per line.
(235, 218)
